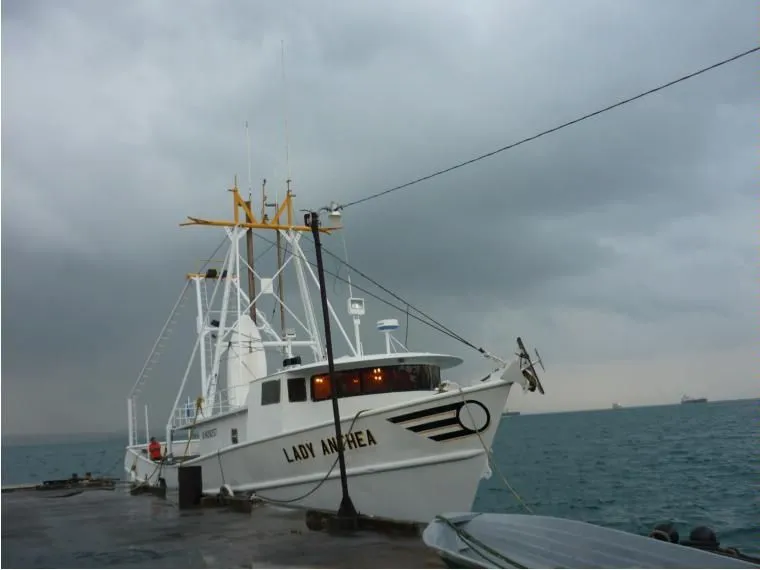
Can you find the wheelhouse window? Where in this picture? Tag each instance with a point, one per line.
(320, 388)
(377, 380)
(297, 389)
(270, 392)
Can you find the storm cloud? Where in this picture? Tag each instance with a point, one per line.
(624, 247)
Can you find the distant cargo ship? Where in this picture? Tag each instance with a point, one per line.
(689, 400)
(616, 406)
(507, 412)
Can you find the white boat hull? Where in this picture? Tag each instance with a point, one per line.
(405, 462)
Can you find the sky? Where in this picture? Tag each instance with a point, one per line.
(623, 248)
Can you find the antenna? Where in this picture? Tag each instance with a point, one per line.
(280, 285)
(285, 110)
(248, 150)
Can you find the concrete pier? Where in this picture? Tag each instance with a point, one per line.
(111, 529)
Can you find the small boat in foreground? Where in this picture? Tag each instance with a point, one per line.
(491, 540)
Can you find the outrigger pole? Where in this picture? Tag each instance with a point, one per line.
(347, 514)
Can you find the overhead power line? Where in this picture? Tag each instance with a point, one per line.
(552, 130)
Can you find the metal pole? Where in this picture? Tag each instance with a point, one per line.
(147, 428)
(346, 511)
(249, 256)
(130, 422)
(280, 291)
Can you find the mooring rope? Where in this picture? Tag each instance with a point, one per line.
(321, 482)
(489, 454)
(198, 408)
(474, 544)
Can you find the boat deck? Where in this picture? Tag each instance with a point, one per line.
(111, 529)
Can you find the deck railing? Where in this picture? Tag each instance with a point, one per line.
(185, 414)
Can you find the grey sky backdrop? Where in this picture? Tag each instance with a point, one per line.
(624, 247)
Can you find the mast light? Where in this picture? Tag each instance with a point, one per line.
(333, 212)
(356, 306)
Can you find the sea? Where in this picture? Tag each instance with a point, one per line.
(627, 469)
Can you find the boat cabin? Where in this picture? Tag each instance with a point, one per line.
(379, 379)
(300, 396)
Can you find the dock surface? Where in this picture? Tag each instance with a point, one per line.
(111, 529)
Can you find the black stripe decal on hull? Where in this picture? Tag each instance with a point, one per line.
(434, 425)
(451, 434)
(425, 413)
(458, 426)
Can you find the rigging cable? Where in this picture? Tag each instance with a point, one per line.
(424, 319)
(401, 300)
(431, 321)
(489, 454)
(435, 324)
(211, 257)
(478, 546)
(552, 130)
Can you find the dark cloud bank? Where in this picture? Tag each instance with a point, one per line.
(624, 247)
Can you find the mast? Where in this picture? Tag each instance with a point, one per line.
(236, 228)
(280, 290)
(284, 228)
(280, 285)
(249, 259)
(249, 232)
(264, 216)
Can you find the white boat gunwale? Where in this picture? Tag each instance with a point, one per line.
(450, 457)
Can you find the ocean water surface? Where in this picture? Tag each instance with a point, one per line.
(627, 469)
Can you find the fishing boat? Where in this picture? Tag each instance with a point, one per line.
(259, 420)
(686, 399)
(616, 405)
(491, 540)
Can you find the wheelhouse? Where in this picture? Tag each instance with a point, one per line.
(376, 380)
(355, 377)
